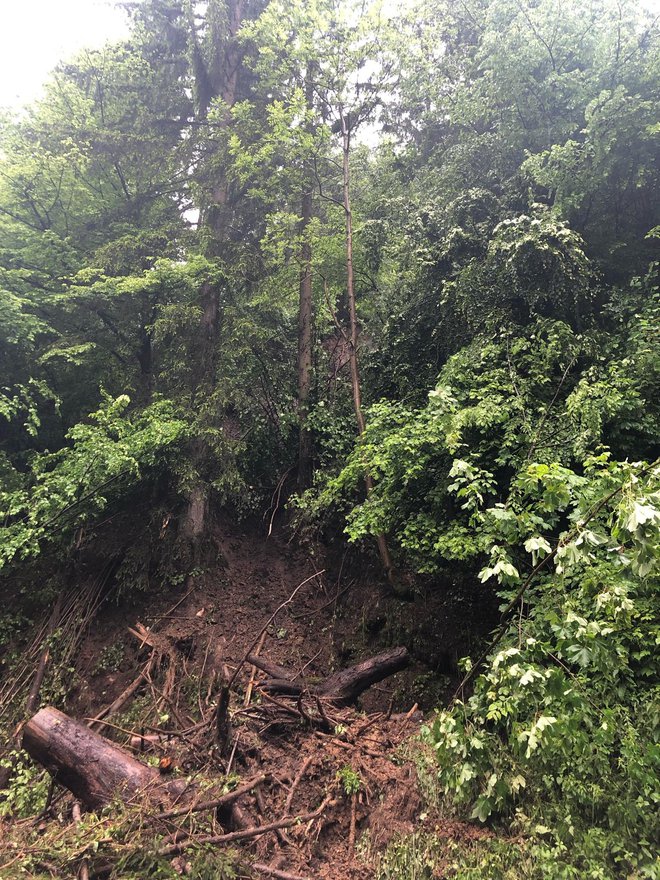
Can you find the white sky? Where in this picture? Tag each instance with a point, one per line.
(36, 34)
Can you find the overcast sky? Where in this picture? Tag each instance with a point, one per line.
(36, 34)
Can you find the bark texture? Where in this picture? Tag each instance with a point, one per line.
(90, 766)
(341, 687)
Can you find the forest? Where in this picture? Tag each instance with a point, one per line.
(329, 446)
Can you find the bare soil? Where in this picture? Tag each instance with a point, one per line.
(202, 630)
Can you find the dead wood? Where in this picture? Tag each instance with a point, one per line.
(222, 801)
(351, 834)
(271, 669)
(98, 722)
(342, 687)
(90, 766)
(347, 685)
(223, 721)
(253, 672)
(269, 621)
(282, 686)
(257, 831)
(275, 872)
(44, 659)
(296, 782)
(83, 873)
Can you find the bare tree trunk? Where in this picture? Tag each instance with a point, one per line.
(306, 313)
(305, 318)
(383, 549)
(215, 76)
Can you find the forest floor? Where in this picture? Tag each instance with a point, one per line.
(362, 764)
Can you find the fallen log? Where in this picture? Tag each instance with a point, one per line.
(346, 685)
(269, 668)
(341, 687)
(94, 769)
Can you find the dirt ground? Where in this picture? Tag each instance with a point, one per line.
(357, 762)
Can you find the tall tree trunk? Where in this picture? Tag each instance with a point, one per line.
(383, 549)
(305, 318)
(146, 361)
(305, 325)
(215, 77)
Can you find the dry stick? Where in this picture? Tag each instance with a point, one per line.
(222, 801)
(83, 873)
(275, 872)
(325, 604)
(275, 501)
(280, 705)
(537, 568)
(33, 697)
(167, 700)
(268, 623)
(296, 782)
(370, 723)
(142, 739)
(261, 808)
(301, 674)
(233, 755)
(351, 833)
(218, 839)
(253, 674)
(97, 722)
(201, 677)
(323, 713)
(271, 669)
(171, 610)
(409, 714)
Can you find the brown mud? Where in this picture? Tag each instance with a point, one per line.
(359, 759)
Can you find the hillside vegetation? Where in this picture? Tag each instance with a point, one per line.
(381, 283)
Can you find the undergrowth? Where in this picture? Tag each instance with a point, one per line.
(115, 843)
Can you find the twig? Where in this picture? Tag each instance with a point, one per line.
(33, 696)
(296, 782)
(323, 714)
(275, 501)
(351, 833)
(409, 714)
(83, 873)
(275, 872)
(171, 610)
(222, 801)
(248, 692)
(219, 839)
(123, 697)
(364, 727)
(547, 412)
(233, 754)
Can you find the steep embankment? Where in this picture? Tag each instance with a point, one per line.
(152, 673)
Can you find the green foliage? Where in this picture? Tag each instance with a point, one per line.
(349, 779)
(560, 735)
(64, 489)
(503, 190)
(28, 788)
(110, 658)
(548, 395)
